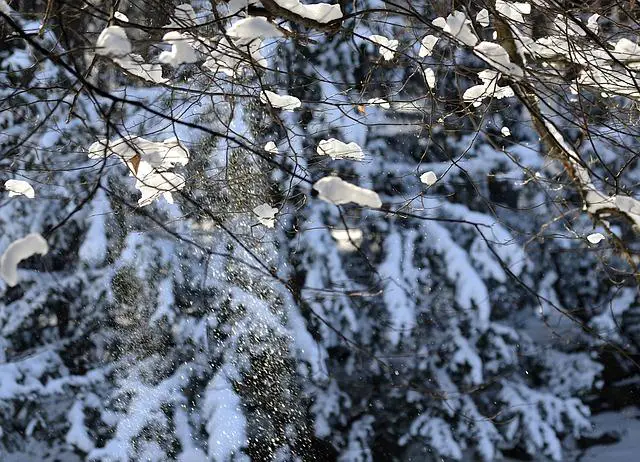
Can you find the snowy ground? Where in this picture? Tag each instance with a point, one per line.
(625, 425)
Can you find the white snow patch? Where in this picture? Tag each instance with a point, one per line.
(505, 131)
(335, 190)
(483, 17)
(430, 78)
(252, 28)
(387, 47)
(457, 25)
(19, 188)
(383, 103)
(429, 178)
(113, 41)
(271, 148)
(488, 89)
(595, 238)
(426, 45)
(181, 52)
(266, 215)
(284, 102)
(498, 58)
(513, 11)
(320, 12)
(17, 251)
(336, 149)
(347, 240)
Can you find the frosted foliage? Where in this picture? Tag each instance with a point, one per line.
(498, 58)
(19, 188)
(95, 246)
(429, 178)
(358, 449)
(436, 433)
(32, 244)
(337, 191)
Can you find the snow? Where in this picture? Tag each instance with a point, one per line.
(266, 215)
(284, 102)
(121, 16)
(347, 240)
(457, 25)
(624, 424)
(113, 41)
(592, 23)
(498, 58)
(165, 154)
(320, 12)
(483, 17)
(134, 64)
(488, 89)
(430, 78)
(335, 190)
(183, 16)
(426, 45)
(252, 28)
(148, 162)
(182, 51)
(383, 103)
(271, 147)
(387, 47)
(595, 238)
(17, 251)
(78, 435)
(94, 247)
(505, 131)
(153, 184)
(338, 150)
(513, 11)
(223, 405)
(19, 188)
(429, 178)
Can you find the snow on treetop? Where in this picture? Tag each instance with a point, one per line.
(335, 190)
(336, 149)
(113, 41)
(387, 47)
(19, 188)
(252, 28)
(182, 50)
(20, 250)
(457, 25)
(320, 12)
(266, 215)
(284, 102)
(121, 16)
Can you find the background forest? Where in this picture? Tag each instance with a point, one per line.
(212, 293)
